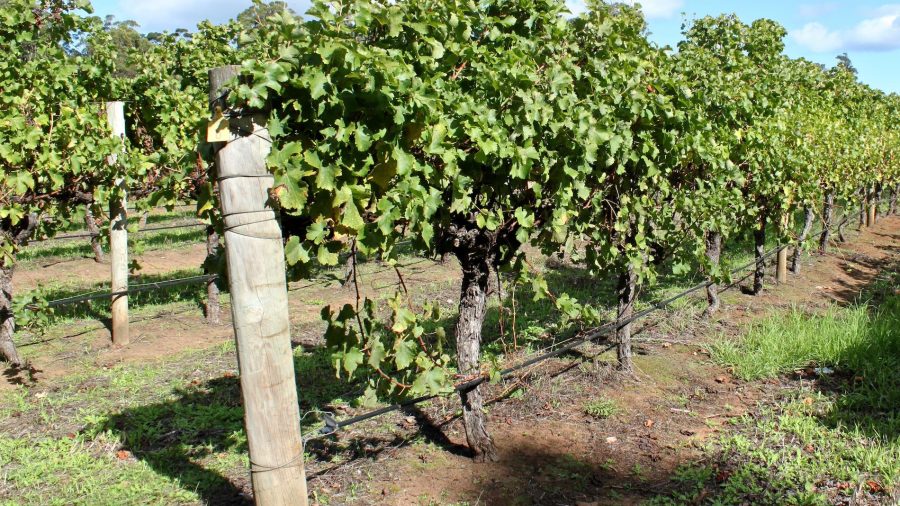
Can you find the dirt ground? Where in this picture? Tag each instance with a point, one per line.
(551, 452)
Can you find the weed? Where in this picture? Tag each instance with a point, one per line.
(601, 408)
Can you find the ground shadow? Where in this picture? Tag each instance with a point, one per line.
(173, 436)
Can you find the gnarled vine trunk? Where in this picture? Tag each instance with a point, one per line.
(7, 321)
(713, 253)
(627, 294)
(798, 251)
(213, 308)
(16, 235)
(142, 222)
(840, 229)
(91, 224)
(472, 307)
(349, 280)
(759, 242)
(827, 217)
(892, 208)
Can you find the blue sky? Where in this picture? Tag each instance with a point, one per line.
(867, 30)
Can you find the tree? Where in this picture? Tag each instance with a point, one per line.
(260, 13)
(845, 63)
(124, 39)
(634, 209)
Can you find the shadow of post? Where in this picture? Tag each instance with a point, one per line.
(175, 436)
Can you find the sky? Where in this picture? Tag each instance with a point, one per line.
(867, 30)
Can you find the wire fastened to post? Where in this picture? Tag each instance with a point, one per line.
(233, 228)
(259, 468)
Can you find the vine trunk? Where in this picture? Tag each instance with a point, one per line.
(713, 253)
(798, 251)
(7, 320)
(472, 308)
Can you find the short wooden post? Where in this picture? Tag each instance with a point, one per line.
(781, 269)
(871, 216)
(254, 253)
(781, 274)
(118, 234)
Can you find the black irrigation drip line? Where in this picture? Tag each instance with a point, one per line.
(171, 227)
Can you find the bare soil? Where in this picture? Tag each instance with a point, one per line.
(551, 452)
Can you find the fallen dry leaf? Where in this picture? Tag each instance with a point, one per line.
(648, 423)
(122, 454)
(874, 486)
(808, 401)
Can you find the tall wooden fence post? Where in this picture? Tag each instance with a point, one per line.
(254, 253)
(118, 234)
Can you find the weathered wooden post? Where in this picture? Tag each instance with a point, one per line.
(781, 272)
(254, 254)
(118, 234)
(871, 217)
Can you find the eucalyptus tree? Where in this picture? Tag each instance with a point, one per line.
(453, 123)
(55, 136)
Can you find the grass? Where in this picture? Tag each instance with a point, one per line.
(601, 408)
(828, 437)
(783, 343)
(58, 250)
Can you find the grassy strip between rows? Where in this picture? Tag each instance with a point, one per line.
(827, 439)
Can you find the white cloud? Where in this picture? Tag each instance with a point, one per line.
(817, 9)
(817, 38)
(653, 9)
(881, 32)
(159, 15)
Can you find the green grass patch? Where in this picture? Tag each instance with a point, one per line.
(601, 408)
(780, 344)
(833, 436)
